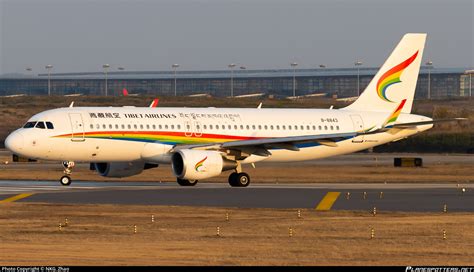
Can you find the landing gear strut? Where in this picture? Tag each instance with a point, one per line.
(239, 179)
(66, 179)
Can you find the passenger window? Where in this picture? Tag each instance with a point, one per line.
(110, 126)
(271, 127)
(337, 127)
(307, 128)
(160, 126)
(284, 127)
(141, 126)
(166, 126)
(289, 127)
(104, 126)
(147, 126)
(296, 127)
(129, 126)
(265, 127)
(123, 126)
(97, 126)
(205, 126)
(332, 127)
(314, 127)
(198, 127)
(29, 125)
(229, 126)
(253, 127)
(302, 127)
(135, 126)
(248, 127)
(259, 127)
(217, 126)
(278, 127)
(235, 127)
(92, 126)
(153, 126)
(325, 127)
(40, 125)
(319, 127)
(179, 126)
(210, 126)
(116, 126)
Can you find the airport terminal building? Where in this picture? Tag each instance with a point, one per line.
(438, 82)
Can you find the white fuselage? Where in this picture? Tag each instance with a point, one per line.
(124, 134)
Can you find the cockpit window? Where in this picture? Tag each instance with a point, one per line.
(40, 125)
(49, 125)
(29, 125)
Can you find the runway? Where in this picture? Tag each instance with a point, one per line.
(385, 197)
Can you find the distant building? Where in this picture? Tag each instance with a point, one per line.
(445, 82)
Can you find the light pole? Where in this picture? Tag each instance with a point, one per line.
(470, 72)
(175, 66)
(231, 66)
(49, 67)
(106, 67)
(357, 64)
(430, 65)
(294, 64)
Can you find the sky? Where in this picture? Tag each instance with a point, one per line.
(82, 35)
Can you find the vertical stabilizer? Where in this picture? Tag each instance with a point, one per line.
(396, 79)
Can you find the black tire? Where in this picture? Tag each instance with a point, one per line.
(232, 179)
(239, 180)
(65, 180)
(185, 182)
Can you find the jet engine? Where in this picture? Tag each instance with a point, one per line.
(120, 169)
(198, 164)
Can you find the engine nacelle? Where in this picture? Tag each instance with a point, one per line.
(121, 169)
(198, 164)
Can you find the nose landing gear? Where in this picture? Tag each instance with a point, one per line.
(66, 179)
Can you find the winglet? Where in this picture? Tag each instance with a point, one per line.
(393, 117)
(259, 105)
(154, 103)
(72, 104)
(125, 92)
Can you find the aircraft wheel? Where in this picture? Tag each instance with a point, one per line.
(65, 180)
(239, 180)
(185, 182)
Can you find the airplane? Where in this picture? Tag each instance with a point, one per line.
(201, 143)
(126, 93)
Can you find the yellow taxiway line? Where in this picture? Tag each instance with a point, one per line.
(327, 201)
(16, 197)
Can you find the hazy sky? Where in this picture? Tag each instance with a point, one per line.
(81, 35)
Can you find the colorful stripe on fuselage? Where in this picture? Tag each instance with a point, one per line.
(171, 138)
(392, 76)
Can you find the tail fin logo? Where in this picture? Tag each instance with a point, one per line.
(199, 164)
(392, 76)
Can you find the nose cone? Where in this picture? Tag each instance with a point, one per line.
(15, 142)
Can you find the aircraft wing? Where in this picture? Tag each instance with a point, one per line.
(261, 146)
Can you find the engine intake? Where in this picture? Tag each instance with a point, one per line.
(198, 164)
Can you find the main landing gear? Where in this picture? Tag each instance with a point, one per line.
(66, 179)
(239, 179)
(186, 182)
